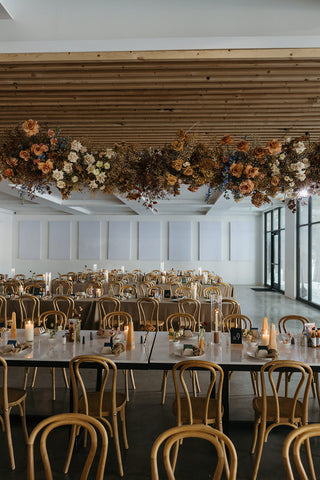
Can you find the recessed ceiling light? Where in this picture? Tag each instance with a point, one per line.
(4, 14)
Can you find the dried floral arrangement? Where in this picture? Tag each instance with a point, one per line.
(36, 160)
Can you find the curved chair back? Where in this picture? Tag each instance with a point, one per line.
(192, 306)
(29, 308)
(107, 305)
(31, 287)
(76, 420)
(212, 290)
(230, 306)
(3, 310)
(53, 319)
(298, 437)
(173, 286)
(114, 288)
(129, 278)
(20, 276)
(148, 311)
(180, 320)
(128, 289)
(151, 276)
(65, 304)
(185, 291)
(298, 319)
(143, 288)
(236, 320)
(64, 287)
(116, 319)
(12, 286)
(174, 436)
(155, 289)
(93, 285)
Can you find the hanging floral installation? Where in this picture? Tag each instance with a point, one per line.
(37, 160)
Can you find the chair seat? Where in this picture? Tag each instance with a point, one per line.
(15, 396)
(93, 402)
(198, 409)
(285, 405)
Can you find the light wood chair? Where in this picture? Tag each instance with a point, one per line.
(114, 288)
(225, 288)
(116, 319)
(9, 398)
(212, 290)
(107, 305)
(51, 319)
(192, 306)
(100, 403)
(181, 320)
(128, 289)
(29, 309)
(148, 312)
(173, 286)
(75, 420)
(298, 319)
(3, 311)
(143, 288)
(155, 289)
(298, 437)
(184, 291)
(151, 276)
(30, 288)
(129, 278)
(236, 320)
(12, 287)
(73, 275)
(276, 409)
(93, 285)
(20, 276)
(230, 306)
(173, 437)
(64, 287)
(65, 304)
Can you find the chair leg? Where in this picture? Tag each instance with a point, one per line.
(22, 408)
(65, 377)
(117, 444)
(133, 383)
(126, 384)
(35, 371)
(164, 386)
(316, 385)
(262, 431)
(254, 382)
(255, 434)
(53, 374)
(124, 428)
(26, 373)
(9, 439)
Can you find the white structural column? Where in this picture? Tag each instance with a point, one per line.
(290, 254)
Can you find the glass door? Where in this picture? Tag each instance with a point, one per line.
(275, 254)
(274, 249)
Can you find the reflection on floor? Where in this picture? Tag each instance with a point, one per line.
(146, 418)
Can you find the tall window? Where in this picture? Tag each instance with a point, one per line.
(308, 250)
(275, 249)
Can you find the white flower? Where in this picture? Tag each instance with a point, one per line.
(107, 166)
(61, 184)
(83, 149)
(299, 147)
(287, 179)
(93, 184)
(282, 156)
(57, 174)
(99, 164)
(288, 139)
(306, 162)
(275, 170)
(73, 157)
(101, 177)
(89, 159)
(76, 146)
(96, 172)
(186, 164)
(67, 167)
(293, 167)
(291, 184)
(300, 166)
(109, 153)
(301, 176)
(74, 179)
(102, 188)
(90, 169)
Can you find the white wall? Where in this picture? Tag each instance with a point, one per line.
(5, 242)
(238, 272)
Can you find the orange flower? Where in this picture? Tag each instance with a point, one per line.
(53, 141)
(226, 140)
(274, 181)
(246, 187)
(236, 169)
(259, 152)
(50, 133)
(30, 127)
(25, 155)
(8, 172)
(274, 147)
(171, 179)
(44, 147)
(193, 188)
(45, 167)
(177, 146)
(217, 165)
(251, 171)
(12, 161)
(36, 149)
(243, 146)
(188, 171)
(177, 164)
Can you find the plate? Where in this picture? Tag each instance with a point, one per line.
(188, 337)
(262, 359)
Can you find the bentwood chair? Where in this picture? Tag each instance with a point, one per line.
(276, 409)
(100, 403)
(64, 304)
(225, 288)
(53, 320)
(29, 309)
(20, 276)
(107, 305)
(31, 288)
(155, 290)
(148, 311)
(212, 290)
(3, 311)
(184, 291)
(130, 290)
(64, 287)
(297, 438)
(9, 398)
(173, 286)
(230, 306)
(75, 420)
(173, 437)
(12, 287)
(114, 288)
(191, 306)
(236, 320)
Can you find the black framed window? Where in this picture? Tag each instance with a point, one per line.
(308, 251)
(274, 258)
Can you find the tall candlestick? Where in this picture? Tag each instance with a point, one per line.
(200, 271)
(13, 333)
(264, 325)
(29, 331)
(106, 276)
(273, 338)
(122, 269)
(95, 267)
(13, 272)
(162, 267)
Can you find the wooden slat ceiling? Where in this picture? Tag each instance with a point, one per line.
(146, 99)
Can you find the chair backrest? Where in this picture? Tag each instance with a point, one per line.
(181, 320)
(298, 437)
(185, 291)
(212, 290)
(12, 286)
(225, 288)
(198, 415)
(91, 426)
(81, 390)
(230, 306)
(64, 304)
(298, 319)
(53, 319)
(31, 287)
(129, 278)
(143, 288)
(20, 276)
(175, 435)
(93, 285)
(3, 310)
(300, 388)
(73, 275)
(236, 320)
(128, 289)
(116, 319)
(192, 306)
(114, 288)
(151, 276)
(29, 308)
(107, 305)
(157, 289)
(64, 287)
(173, 286)
(148, 311)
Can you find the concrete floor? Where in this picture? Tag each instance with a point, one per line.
(146, 418)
